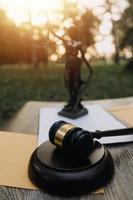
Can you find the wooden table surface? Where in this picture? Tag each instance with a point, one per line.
(121, 186)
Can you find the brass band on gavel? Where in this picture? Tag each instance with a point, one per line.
(61, 132)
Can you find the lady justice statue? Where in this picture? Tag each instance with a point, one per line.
(73, 81)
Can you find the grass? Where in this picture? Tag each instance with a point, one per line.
(19, 84)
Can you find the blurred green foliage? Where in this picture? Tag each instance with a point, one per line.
(19, 84)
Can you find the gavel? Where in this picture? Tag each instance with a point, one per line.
(75, 162)
(76, 141)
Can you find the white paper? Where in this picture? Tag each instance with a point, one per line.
(97, 119)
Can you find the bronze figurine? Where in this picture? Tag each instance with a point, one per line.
(73, 80)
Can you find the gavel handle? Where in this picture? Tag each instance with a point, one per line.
(118, 132)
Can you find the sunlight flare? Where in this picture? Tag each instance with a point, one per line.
(41, 12)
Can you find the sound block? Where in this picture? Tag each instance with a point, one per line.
(55, 172)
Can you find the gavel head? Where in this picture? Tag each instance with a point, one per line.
(71, 139)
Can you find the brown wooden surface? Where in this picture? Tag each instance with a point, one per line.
(120, 188)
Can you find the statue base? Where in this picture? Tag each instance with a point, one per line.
(73, 115)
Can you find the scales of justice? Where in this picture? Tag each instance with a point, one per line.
(73, 81)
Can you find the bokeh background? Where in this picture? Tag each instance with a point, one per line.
(32, 59)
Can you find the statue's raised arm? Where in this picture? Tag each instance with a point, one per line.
(59, 37)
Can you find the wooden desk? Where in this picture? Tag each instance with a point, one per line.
(120, 188)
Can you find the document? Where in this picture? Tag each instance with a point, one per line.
(97, 119)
